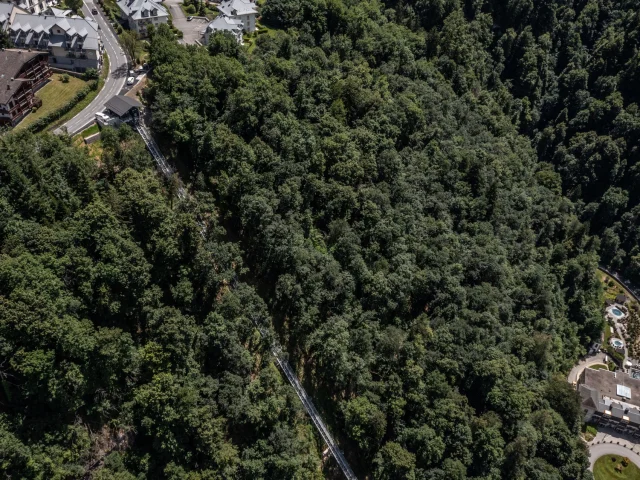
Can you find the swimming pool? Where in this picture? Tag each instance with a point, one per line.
(616, 312)
(617, 343)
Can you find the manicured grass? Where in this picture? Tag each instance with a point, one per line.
(88, 99)
(90, 131)
(599, 366)
(77, 108)
(54, 95)
(605, 469)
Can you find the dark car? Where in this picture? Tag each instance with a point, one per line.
(94, 10)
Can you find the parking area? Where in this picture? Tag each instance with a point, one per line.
(192, 30)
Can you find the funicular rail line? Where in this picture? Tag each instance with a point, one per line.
(276, 349)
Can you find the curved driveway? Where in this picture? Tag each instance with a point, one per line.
(584, 363)
(598, 450)
(114, 82)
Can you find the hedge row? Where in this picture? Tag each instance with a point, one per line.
(44, 122)
(615, 355)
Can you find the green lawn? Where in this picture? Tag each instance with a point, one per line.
(88, 99)
(605, 469)
(54, 95)
(599, 366)
(90, 131)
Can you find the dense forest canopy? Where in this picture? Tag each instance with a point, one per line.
(419, 261)
(414, 194)
(120, 332)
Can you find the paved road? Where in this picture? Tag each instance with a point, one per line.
(118, 67)
(191, 30)
(597, 451)
(584, 363)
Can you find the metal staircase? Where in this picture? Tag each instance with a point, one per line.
(276, 349)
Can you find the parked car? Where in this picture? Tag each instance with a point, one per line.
(94, 10)
(131, 80)
(189, 18)
(105, 120)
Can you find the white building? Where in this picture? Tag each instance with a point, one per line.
(34, 6)
(244, 10)
(222, 23)
(73, 43)
(141, 13)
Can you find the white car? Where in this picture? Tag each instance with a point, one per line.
(131, 80)
(104, 120)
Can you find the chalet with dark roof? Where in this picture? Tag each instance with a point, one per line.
(21, 74)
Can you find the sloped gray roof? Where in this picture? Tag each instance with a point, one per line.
(5, 11)
(58, 12)
(222, 23)
(134, 8)
(87, 29)
(121, 104)
(26, 22)
(232, 8)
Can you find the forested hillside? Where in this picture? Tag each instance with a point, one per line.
(573, 70)
(418, 260)
(414, 193)
(120, 332)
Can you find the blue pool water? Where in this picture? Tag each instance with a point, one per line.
(617, 312)
(617, 343)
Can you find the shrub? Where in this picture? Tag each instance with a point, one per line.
(611, 283)
(90, 74)
(615, 355)
(64, 78)
(625, 462)
(191, 9)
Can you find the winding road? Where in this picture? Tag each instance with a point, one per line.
(601, 449)
(114, 82)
